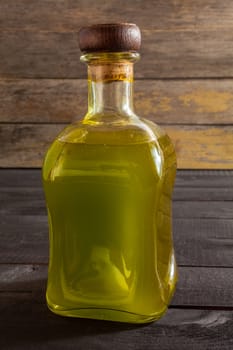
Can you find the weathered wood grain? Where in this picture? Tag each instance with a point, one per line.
(203, 185)
(165, 54)
(196, 178)
(69, 15)
(26, 144)
(200, 147)
(162, 101)
(203, 242)
(210, 194)
(39, 54)
(42, 100)
(24, 239)
(23, 277)
(24, 178)
(185, 101)
(197, 146)
(199, 286)
(203, 210)
(206, 287)
(34, 327)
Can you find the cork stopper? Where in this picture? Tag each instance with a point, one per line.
(110, 37)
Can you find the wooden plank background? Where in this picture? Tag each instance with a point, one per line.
(184, 80)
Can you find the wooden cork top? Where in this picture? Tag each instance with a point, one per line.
(110, 37)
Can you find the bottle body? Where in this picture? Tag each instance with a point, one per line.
(108, 190)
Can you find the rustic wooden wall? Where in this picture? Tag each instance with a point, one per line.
(184, 80)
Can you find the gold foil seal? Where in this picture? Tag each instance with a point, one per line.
(111, 72)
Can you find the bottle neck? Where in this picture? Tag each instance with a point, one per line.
(110, 87)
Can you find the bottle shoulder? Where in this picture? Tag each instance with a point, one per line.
(125, 131)
(87, 142)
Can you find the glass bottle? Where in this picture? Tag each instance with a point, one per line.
(108, 181)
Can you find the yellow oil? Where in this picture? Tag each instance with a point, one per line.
(108, 192)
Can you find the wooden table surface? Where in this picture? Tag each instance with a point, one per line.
(201, 314)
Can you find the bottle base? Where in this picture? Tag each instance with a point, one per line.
(114, 315)
(108, 314)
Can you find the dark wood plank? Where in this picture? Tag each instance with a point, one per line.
(25, 199)
(200, 180)
(69, 15)
(201, 236)
(20, 178)
(28, 324)
(189, 186)
(168, 101)
(197, 286)
(203, 179)
(197, 194)
(28, 201)
(24, 239)
(24, 278)
(197, 146)
(203, 242)
(209, 194)
(203, 185)
(198, 242)
(166, 54)
(204, 210)
(205, 287)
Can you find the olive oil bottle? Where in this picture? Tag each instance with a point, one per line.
(108, 182)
